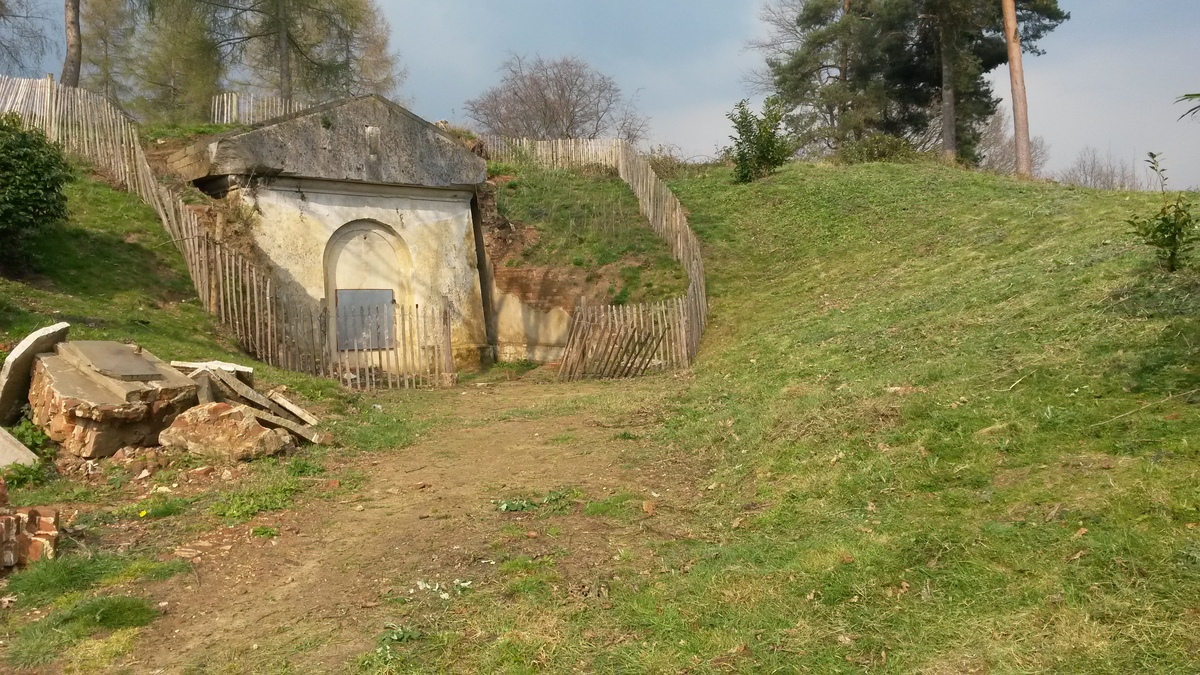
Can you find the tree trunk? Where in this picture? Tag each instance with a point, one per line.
(1016, 72)
(71, 64)
(285, 52)
(949, 108)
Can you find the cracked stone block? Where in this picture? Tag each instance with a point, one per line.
(93, 415)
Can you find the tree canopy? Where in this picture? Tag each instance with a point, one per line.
(851, 68)
(562, 98)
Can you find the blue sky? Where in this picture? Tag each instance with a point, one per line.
(1109, 78)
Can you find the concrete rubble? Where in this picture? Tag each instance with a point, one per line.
(94, 398)
(14, 375)
(220, 431)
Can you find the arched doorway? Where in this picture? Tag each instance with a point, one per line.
(368, 273)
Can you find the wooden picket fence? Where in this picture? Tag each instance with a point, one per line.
(234, 108)
(627, 340)
(286, 330)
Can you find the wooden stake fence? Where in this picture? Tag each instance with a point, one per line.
(233, 108)
(286, 330)
(614, 340)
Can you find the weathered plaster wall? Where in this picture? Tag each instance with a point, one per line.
(526, 332)
(298, 218)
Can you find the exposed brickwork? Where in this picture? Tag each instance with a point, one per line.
(99, 425)
(26, 534)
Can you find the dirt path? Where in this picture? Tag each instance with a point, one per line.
(316, 597)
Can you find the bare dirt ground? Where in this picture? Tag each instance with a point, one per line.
(314, 598)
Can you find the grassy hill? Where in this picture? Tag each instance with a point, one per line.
(941, 422)
(938, 401)
(950, 427)
(586, 225)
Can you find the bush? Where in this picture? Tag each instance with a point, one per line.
(878, 148)
(1173, 230)
(759, 146)
(33, 172)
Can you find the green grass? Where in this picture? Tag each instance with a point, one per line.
(590, 219)
(43, 641)
(46, 581)
(155, 132)
(269, 491)
(158, 506)
(113, 274)
(949, 422)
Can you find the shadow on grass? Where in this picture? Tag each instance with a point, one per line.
(97, 264)
(1168, 363)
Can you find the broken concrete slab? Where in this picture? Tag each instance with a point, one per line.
(91, 415)
(248, 394)
(13, 451)
(165, 376)
(307, 433)
(298, 412)
(112, 359)
(15, 374)
(224, 431)
(244, 373)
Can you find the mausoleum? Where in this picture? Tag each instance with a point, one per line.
(361, 205)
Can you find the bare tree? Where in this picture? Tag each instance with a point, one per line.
(1104, 172)
(563, 98)
(998, 148)
(23, 39)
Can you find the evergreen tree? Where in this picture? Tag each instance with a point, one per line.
(850, 68)
(179, 66)
(108, 30)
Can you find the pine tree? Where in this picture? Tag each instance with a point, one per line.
(179, 66)
(108, 29)
(897, 66)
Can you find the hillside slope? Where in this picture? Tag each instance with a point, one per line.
(939, 400)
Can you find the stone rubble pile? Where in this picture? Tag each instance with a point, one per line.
(95, 398)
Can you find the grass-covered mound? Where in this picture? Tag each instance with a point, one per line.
(948, 395)
(585, 223)
(950, 426)
(113, 274)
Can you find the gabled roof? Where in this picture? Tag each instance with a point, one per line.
(367, 139)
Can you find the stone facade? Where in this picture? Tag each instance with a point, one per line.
(359, 195)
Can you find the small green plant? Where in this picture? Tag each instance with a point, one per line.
(300, 468)
(32, 437)
(264, 531)
(759, 144)
(33, 171)
(517, 504)
(878, 148)
(246, 502)
(158, 506)
(1173, 230)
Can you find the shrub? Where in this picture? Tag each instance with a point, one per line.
(1173, 230)
(759, 144)
(878, 148)
(33, 172)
